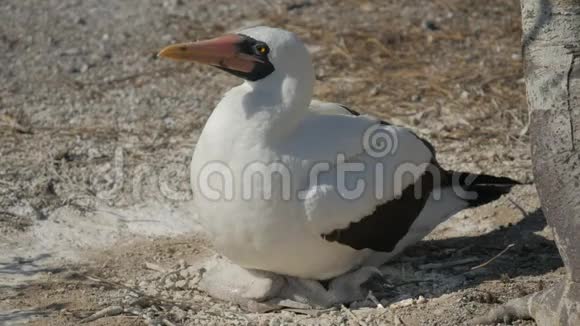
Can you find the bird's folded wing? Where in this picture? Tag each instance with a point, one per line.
(367, 173)
(324, 137)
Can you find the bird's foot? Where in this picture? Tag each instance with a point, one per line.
(250, 289)
(260, 291)
(347, 288)
(357, 285)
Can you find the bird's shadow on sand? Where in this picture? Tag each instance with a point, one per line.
(22, 271)
(22, 316)
(465, 262)
(30, 266)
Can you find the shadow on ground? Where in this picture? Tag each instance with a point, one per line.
(14, 317)
(460, 263)
(19, 266)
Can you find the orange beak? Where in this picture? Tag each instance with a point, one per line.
(223, 52)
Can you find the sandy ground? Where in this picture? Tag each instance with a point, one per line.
(96, 135)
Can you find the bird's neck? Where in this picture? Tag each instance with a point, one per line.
(268, 110)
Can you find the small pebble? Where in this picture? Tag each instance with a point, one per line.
(421, 299)
(374, 91)
(71, 51)
(181, 284)
(430, 25)
(184, 273)
(178, 313)
(169, 284)
(275, 322)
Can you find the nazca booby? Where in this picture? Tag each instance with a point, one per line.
(294, 186)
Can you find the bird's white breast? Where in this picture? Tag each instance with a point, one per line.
(256, 224)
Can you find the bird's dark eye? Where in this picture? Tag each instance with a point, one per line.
(261, 49)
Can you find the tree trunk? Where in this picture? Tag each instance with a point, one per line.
(552, 48)
(551, 45)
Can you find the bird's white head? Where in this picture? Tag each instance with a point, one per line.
(269, 59)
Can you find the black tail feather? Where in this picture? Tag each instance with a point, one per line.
(483, 188)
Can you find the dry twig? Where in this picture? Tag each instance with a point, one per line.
(493, 258)
(155, 267)
(107, 312)
(449, 263)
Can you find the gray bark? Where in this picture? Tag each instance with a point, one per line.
(551, 45)
(552, 61)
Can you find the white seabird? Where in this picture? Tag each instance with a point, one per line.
(308, 189)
